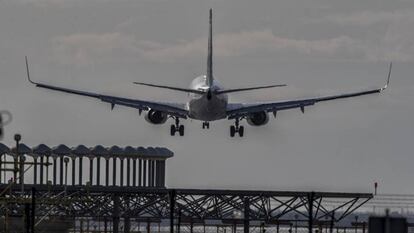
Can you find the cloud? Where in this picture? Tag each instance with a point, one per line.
(396, 45)
(368, 18)
(90, 48)
(44, 3)
(247, 42)
(55, 3)
(388, 35)
(81, 48)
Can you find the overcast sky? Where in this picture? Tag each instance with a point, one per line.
(315, 46)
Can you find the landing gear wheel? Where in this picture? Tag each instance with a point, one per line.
(241, 131)
(177, 128)
(232, 131)
(172, 130)
(237, 128)
(181, 130)
(206, 125)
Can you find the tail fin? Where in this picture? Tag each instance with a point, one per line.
(209, 78)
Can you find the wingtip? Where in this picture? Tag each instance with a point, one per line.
(388, 77)
(279, 85)
(389, 74)
(27, 71)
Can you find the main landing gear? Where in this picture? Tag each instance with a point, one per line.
(236, 128)
(206, 125)
(177, 128)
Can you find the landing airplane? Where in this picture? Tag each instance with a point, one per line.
(209, 101)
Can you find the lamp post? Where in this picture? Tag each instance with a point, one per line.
(17, 138)
(73, 159)
(91, 157)
(356, 223)
(21, 158)
(35, 157)
(66, 160)
(296, 223)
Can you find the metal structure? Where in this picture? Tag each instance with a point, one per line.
(147, 165)
(116, 198)
(182, 206)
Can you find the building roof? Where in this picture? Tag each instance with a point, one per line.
(61, 150)
(23, 149)
(4, 149)
(41, 149)
(81, 150)
(98, 150)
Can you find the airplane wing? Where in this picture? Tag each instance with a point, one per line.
(243, 110)
(173, 109)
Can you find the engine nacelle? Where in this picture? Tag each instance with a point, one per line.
(258, 118)
(156, 117)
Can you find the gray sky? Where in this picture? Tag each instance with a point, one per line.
(315, 46)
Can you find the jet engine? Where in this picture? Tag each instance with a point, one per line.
(258, 118)
(156, 117)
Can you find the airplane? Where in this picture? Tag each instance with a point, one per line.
(208, 100)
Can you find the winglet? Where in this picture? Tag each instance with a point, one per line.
(27, 71)
(388, 78)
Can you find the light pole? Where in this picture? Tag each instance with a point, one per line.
(21, 158)
(356, 223)
(66, 160)
(296, 223)
(17, 138)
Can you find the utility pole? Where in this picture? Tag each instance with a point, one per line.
(17, 138)
(33, 212)
(66, 160)
(311, 197)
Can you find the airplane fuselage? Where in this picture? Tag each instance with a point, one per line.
(208, 106)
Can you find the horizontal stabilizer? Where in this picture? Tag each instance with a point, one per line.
(171, 88)
(247, 89)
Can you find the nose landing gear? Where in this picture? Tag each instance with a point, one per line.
(177, 128)
(236, 128)
(206, 125)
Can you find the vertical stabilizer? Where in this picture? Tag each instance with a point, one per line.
(209, 79)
